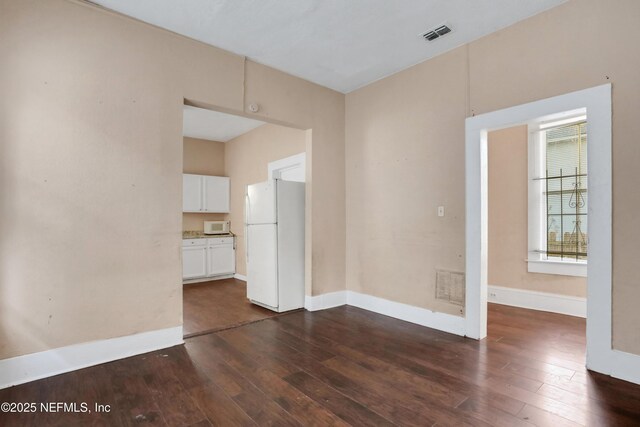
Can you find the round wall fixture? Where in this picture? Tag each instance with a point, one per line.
(254, 108)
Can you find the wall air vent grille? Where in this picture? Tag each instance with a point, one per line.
(431, 35)
(450, 287)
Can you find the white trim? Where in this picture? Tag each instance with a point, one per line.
(535, 300)
(409, 313)
(207, 279)
(31, 367)
(563, 268)
(324, 301)
(549, 125)
(536, 204)
(297, 161)
(597, 102)
(476, 231)
(240, 277)
(625, 366)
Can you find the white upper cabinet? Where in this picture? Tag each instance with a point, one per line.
(216, 194)
(191, 193)
(201, 193)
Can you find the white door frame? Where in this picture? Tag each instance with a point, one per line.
(296, 161)
(597, 101)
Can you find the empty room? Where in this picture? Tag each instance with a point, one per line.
(319, 213)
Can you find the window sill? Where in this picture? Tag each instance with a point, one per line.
(562, 268)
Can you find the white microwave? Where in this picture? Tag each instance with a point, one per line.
(216, 227)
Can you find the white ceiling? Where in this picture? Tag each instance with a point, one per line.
(215, 126)
(341, 44)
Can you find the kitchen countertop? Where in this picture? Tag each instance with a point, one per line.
(200, 235)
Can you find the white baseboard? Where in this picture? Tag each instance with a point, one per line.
(625, 366)
(409, 313)
(207, 279)
(240, 277)
(31, 367)
(324, 301)
(554, 303)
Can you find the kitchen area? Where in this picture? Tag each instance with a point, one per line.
(223, 155)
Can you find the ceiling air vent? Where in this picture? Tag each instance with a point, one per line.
(431, 35)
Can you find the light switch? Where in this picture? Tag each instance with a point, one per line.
(440, 210)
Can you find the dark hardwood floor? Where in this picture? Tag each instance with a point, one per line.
(347, 366)
(218, 304)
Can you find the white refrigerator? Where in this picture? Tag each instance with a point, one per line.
(274, 242)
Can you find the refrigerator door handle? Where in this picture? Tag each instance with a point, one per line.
(247, 208)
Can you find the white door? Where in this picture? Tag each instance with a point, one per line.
(191, 193)
(216, 194)
(194, 262)
(221, 260)
(262, 270)
(261, 203)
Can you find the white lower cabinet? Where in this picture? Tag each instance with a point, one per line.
(208, 257)
(221, 259)
(194, 261)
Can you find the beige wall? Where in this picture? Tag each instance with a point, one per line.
(202, 157)
(405, 157)
(91, 164)
(405, 147)
(246, 160)
(508, 219)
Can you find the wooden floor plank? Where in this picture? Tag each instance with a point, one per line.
(485, 411)
(540, 417)
(362, 387)
(245, 394)
(348, 409)
(307, 411)
(219, 408)
(387, 372)
(217, 305)
(435, 367)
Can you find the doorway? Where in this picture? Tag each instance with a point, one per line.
(231, 152)
(537, 252)
(597, 104)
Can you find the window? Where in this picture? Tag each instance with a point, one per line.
(566, 192)
(558, 197)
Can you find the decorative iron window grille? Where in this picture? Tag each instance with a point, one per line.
(565, 194)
